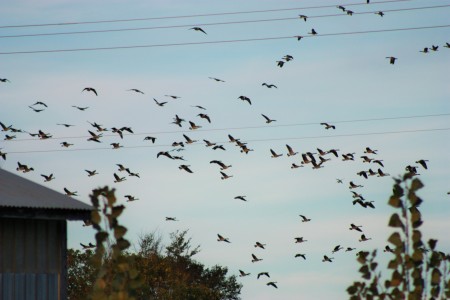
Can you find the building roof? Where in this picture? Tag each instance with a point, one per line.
(18, 194)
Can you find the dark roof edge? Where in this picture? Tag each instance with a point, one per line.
(43, 213)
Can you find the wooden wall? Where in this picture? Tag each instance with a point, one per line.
(32, 259)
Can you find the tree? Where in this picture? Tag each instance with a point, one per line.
(417, 271)
(115, 272)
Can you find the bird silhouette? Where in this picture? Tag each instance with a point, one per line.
(4, 80)
(91, 173)
(280, 63)
(186, 168)
(425, 50)
(263, 274)
(364, 238)
(173, 96)
(164, 153)
(216, 79)
(245, 98)
(272, 283)
(161, 104)
(35, 109)
(355, 227)
(225, 176)
(269, 85)
(171, 219)
(303, 17)
(388, 249)
(434, 48)
(221, 164)
(260, 245)
(39, 103)
(137, 91)
(268, 120)
(197, 29)
(299, 240)
(48, 177)
(328, 126)
(350, 12)
(255, 259)
(66, 125)
(243, 274)
(313, 32)
(89, 89)
(131, 198)
(188, 139)
(288, 57)
(300, 255)
(341, 8)
(193, 126)
(423, 163)
(274, 154)
(80, 108)
(205, 116)
(327, 259)
(337, 248)
(304, 219)
(240, 198)
(392, 59)
(69, 193)
(380, 13)
(150, 138)
(222, 239)
(118, 178)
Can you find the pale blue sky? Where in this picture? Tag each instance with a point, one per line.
(331, 79)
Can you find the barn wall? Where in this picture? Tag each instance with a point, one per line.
(32, 259)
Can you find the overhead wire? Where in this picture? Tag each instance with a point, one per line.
(255, 140)
(195, 15)
(249, 127)
(221, 41)
(212, 24)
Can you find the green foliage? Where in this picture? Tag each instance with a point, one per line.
(149, 272)
(417, 272)
(117, 276)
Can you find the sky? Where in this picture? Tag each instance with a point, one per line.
(402, 110)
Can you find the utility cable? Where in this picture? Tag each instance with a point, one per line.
(193, 16)
(212, 24)
(221, 42)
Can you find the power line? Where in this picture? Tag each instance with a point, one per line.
(220, 42)
(212, 24)
(249, 127)
(256, 140)
(193, 16)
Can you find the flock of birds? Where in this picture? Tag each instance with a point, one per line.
(316, 158)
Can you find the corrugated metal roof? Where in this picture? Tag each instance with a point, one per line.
(16, 191)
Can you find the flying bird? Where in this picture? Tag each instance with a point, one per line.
(245, 98)
(186, 168)
(255, 259)
(304, 219)
(260, 245)
(91, 173)
(425, 50)
(272, 283)
(337, 248)
(221, 164)
(240, 198)
(341, 8)
(159, 103)
(131, 198)
(274, 154)
(303, 17)
(89, 89)
(299, 240)
(164, 153)
(313, 32)
(216, 79)
(66, 125)
(280, 63)
(380, 13)
(193, 126)
(205, 116)
(137, 91)
(225, 176)
(198, 106)
(35, 109)
(243, 274)
(69, 193)
(171, 219)
(326, 258)
(392, 59)
(80, 108)
(222, 239)
(300, 255)
(268, 120)
(269, 85)
(328, 126)
(150, 138)
(39, 103)
(48, 177)
(118, 178)
(288, 57)
(4, 80)
(423, 163)
(172, 96)
(66, 144)
(355, 227)
(197, 29)
(263, 274)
